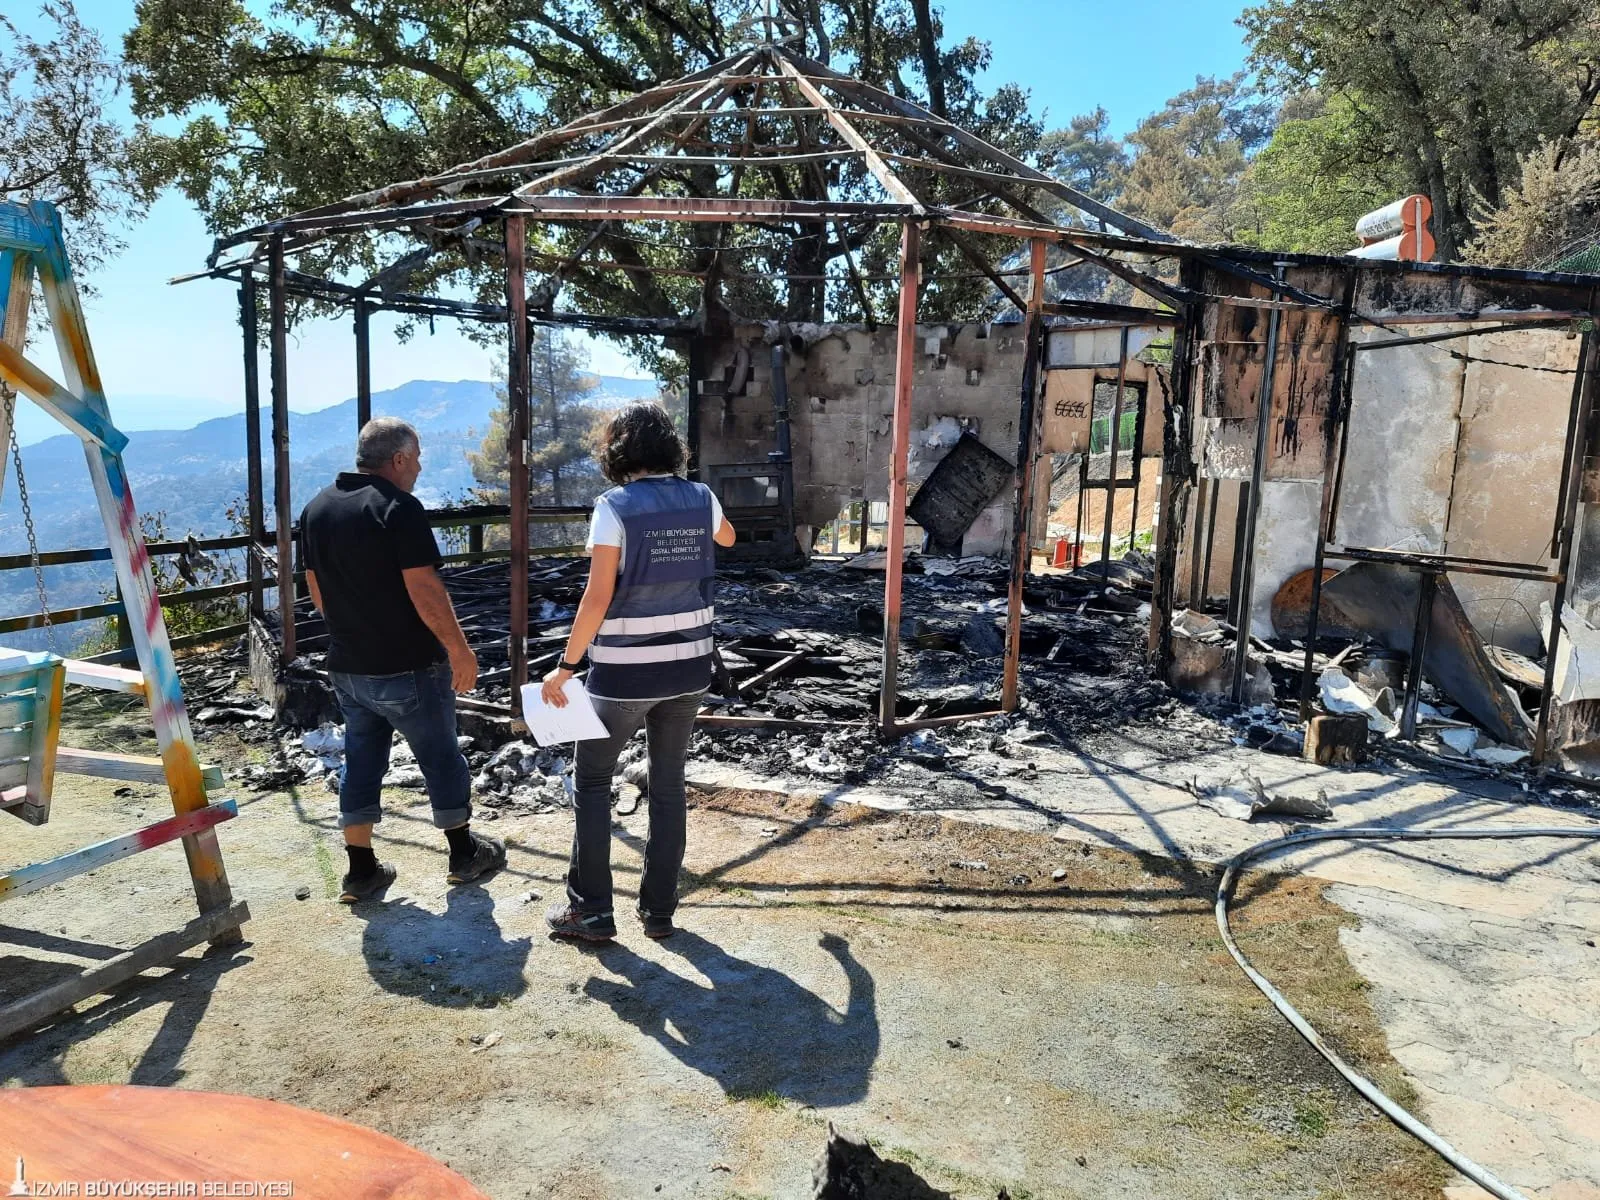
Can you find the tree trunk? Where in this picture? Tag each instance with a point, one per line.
(819, 31)
(1451, 229)
(928, 45)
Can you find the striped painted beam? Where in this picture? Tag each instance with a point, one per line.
(72, 411)
(133, 768)
(30, 879)
(105, 678)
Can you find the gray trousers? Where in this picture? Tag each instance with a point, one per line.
(667, 725)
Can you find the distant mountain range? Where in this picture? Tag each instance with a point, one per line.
(193, 475)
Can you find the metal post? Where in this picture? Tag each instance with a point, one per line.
(1028, 419)
(1196, 600)
(782, 456)
(1427, 585)
(1211, 540)
(1247, 552)
(1584, 387)
(282, 515)
(1083, 493)
(899, 456)
(518, 367)
(363, 365)
(1333, 426)
(1138, 462)
(1111, 471)
(124, 628)
(255, 504)
(697, 372)
(1241, 516)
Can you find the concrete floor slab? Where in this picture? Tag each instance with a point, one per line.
(1481, 955)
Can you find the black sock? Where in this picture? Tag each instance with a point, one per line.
(460, 841)
(363, 861)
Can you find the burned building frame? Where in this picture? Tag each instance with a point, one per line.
(1267, 350)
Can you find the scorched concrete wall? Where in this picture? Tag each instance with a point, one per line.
(1453, 447)
(841, 403)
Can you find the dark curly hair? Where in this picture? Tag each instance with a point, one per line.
(639, 440)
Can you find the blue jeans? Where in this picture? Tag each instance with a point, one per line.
(421, 705)
(668, 725)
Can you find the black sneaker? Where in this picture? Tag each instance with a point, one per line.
(657, 926)
(488, 856)
(567, 922)
(361, 887)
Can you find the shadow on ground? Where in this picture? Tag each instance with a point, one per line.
(451, 959)
(36, 1059)
(753, 1030)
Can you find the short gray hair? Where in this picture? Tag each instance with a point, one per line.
(381, 439)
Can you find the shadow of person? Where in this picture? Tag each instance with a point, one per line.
(454, 959)
(753, 1030)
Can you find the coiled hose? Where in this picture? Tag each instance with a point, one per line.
(1479, 1175)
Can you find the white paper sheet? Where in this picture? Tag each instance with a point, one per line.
(577, 722)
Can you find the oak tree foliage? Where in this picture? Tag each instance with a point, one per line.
(59, 137)
(270, 111)
(1448, 95)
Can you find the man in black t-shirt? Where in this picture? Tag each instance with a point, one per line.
(396, 653)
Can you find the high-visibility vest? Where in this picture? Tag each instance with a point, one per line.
(656, 639)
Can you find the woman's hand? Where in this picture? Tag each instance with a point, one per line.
(553, 683)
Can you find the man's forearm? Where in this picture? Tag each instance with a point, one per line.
(433, 605)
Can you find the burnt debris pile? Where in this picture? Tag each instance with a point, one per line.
(800, 658)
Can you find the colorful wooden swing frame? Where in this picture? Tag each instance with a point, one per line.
(31, 247)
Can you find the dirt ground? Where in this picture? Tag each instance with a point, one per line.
(925, 982)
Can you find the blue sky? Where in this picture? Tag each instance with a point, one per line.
(170, 356)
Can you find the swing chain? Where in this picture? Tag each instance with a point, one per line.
(27, 519)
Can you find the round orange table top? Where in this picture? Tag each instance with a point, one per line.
(181, 1143)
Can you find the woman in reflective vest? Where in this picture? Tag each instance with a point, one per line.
(645, 623)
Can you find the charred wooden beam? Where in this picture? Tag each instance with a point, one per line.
(899, 456)
(282, 514)
(518, 366)
(1029, 427)
(255, 505)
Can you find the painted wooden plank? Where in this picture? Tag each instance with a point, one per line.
(21, 664)
(126, 538)
(19, 230)
(32, 380)
(17, 709)
(104, 677)
(14, 773)
(42, 755)
(91, 858)
(158, 951)
(16, 742)
(16, 294)
(134, 768)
